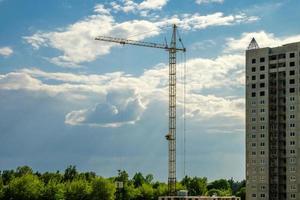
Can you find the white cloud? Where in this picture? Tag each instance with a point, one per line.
(208, 1)
(263, 39)
(6, 51)
(99, 8)
(152, 4)
(116, 111)
(142, 7)
(96, 96)
(77, 44)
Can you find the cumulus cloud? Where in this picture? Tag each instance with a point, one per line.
(77, 44)
(6, 51)
(263, 38)
(131, 6)
(208, 1)
(116, 111)
(121, 99)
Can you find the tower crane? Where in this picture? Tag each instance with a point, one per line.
(171, 136)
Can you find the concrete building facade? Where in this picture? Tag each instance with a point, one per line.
(272, 123)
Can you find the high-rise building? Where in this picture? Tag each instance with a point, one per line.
(272, 122)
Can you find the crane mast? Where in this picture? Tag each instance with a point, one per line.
(171, 136)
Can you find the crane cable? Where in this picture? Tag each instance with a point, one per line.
(184, 113)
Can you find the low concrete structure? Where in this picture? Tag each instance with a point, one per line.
(198, 198)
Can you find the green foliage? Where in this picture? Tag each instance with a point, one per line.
(138, 179)
(242, 193)
(102, 189)
(70, 173)
(21, 171)
(221, 184)
(24, 184)
(195, 186)
(147, 191)
(1, 189)
(48, 176)
(77, 190)
(7, 176)
(53, 191)
(27, 187)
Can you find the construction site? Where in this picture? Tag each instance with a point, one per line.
(172, 50)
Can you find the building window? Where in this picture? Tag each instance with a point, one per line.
(262, 85)
(292, 72)
(262, 110)
(292, 116)
(262, 144)
(253, 78)
(253, 94)
(292, 134)
(292, 178)
(253, 136)
(253, 111)
(292, 151)
(262, 102)
(262, 135)
(292, 125)
(262, 152)
(292, 55)
(262, 59)
(292, 98)
(253, 86)
(253, 128)
(273, 57)
(292, 64)
(292, 81)
(293, 169)
(253, 119)
(262, 76)
(262, 93)
(253, 60)
(262, 195)
(292, 107)
(292, 90)
(281, 56)
(253, 69)
(293, 196)
(262, 119)
(262, 68)
(292, 143)
(253, 145)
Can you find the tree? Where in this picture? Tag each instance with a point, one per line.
(7, 176)
(77, 190)
(195, 186)
(102, 189)
(138, 179)
(160, 189)
(27, 187)
(149, 178)
(147, 192)
(242, 193)
(23, 170)
(1, 189)
(70, 173)
(49, 176)
(53, 191)
(221, 184)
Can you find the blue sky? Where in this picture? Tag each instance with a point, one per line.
(67, 99)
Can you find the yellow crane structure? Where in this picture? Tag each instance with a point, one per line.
(171, 136)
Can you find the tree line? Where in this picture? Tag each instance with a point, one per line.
(25, 184)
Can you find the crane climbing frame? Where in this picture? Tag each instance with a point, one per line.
(171, 136)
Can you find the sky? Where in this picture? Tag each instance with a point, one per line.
(66, 99)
